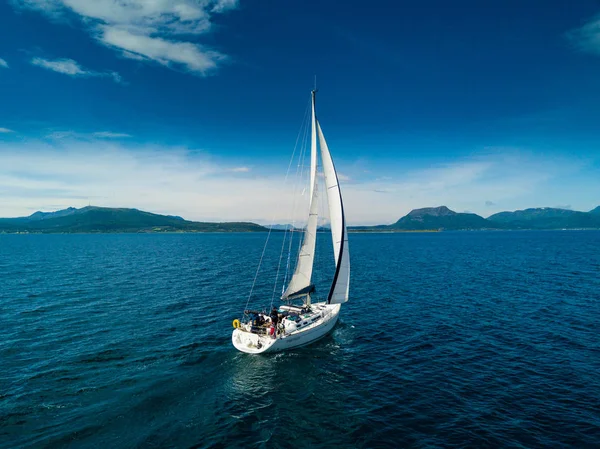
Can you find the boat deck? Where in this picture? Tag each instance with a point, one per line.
(295, 329)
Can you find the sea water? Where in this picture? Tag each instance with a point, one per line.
(454, 339)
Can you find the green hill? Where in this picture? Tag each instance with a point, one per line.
(107, 220)
(442, 218)
(439, 218)
(547, 218)
(532, 214)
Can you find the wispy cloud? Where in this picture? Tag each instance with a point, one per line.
(587, 38)
(158, 31)
(196, 185)
(110, 135)
(169, 180)
(66, 66)
(72, 68)
(515, 179)
(189, 56)
(57, 135)
(3, 63)
(74, 135)
(6, 130)
(240, 169)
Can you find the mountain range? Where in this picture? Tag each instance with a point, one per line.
(107, 219)
(442, 218)
(111, 220)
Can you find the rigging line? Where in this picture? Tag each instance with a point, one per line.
(301, 240)
(293, 230)
(298, 169)
(303, 132)
(273, 219)
(305, 125)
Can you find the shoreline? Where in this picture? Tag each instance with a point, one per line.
(266, 231)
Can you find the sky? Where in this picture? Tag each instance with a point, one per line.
(193, 107)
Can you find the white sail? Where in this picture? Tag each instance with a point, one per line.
(341, 280)
(300, 282)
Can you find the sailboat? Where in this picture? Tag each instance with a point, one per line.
(299, 321)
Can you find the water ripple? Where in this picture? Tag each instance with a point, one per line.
(449, 340)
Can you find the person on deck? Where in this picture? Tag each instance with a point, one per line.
(260, 320)
(274, 321)
(274, 317)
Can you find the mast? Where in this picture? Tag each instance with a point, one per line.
(313, 142)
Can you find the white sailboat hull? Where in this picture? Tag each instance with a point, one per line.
(252, 343)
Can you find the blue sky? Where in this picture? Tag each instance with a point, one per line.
(193, 107)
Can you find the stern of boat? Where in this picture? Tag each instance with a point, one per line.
(251, 343)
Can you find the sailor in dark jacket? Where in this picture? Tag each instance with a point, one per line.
(274, 317)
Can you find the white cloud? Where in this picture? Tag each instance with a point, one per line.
(6, 130)
(191, 57)
(587, 38)
(3, 63)
(66, 66)
(147, 30)
(72, 68)
(195, 185)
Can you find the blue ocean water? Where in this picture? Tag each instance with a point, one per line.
(455, 339)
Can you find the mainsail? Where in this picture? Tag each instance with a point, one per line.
(341, 279)
(300, 283)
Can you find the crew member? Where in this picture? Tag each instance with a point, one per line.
(274, 316)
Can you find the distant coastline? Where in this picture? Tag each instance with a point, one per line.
(106, 220)
(353, 230)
